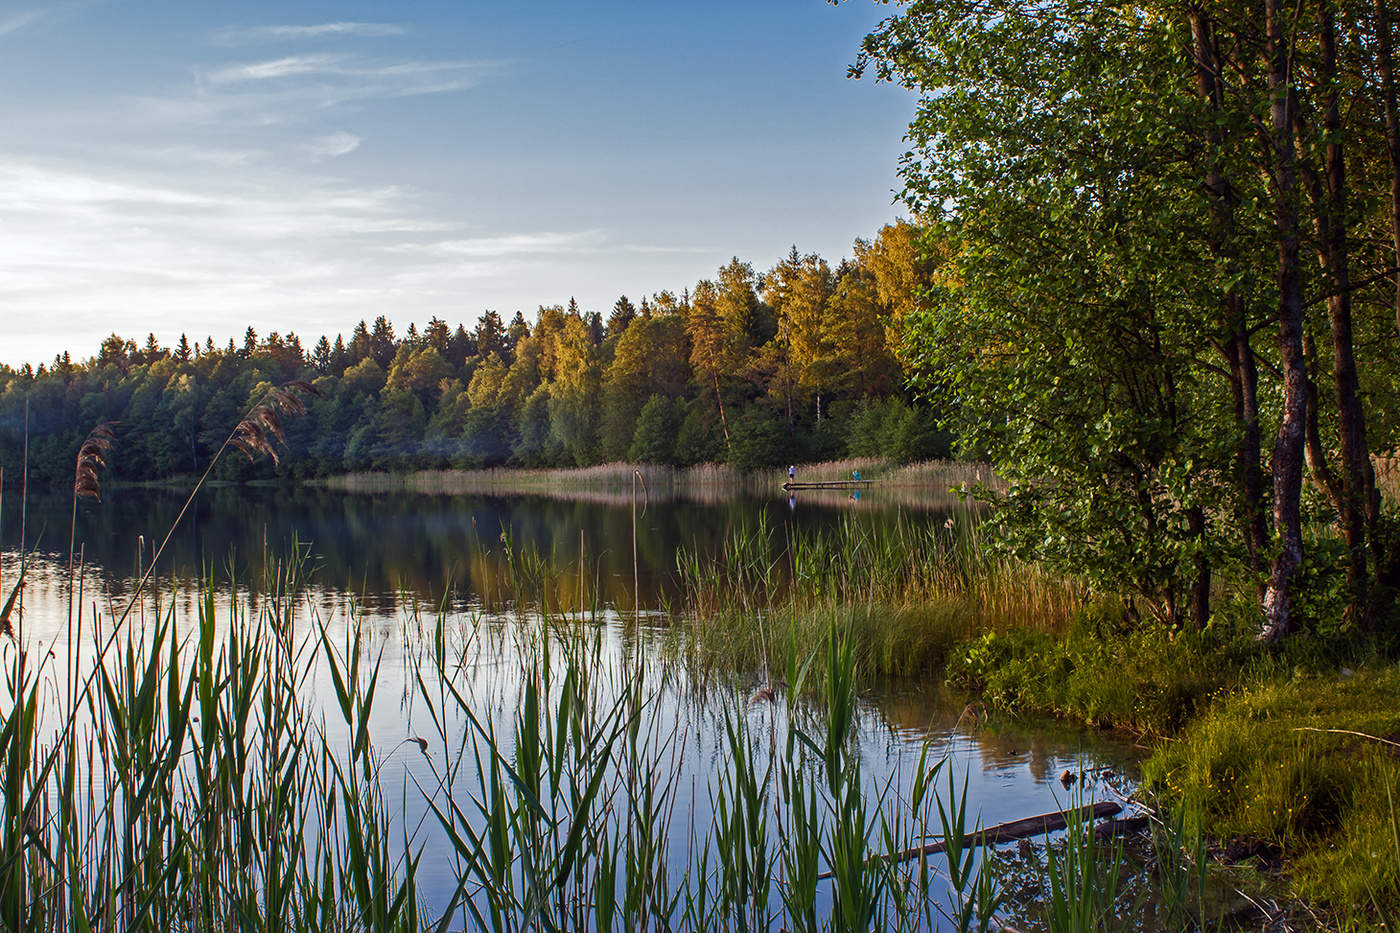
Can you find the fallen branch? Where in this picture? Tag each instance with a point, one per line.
(1009, 832)
(1359, 735)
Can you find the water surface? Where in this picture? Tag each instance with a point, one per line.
(391, 566)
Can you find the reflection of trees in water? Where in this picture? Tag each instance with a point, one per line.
(1040, 746)
(380, 546)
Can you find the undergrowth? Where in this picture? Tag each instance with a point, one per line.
(1307, 764)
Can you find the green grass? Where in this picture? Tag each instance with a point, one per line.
(906, 593)
(1101, 672)
(1255, 765)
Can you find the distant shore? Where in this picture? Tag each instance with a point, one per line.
(701, 481)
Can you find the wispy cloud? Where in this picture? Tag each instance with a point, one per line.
(287, 89)
(281, 33)
(337, 66)
(14, 22)
(332, 145)
(288, 67)
(263, 246)
(511, 244)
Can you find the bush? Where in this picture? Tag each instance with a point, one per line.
(1146, 677)
(654, 440)
(894, 430)
(699, 439)
(758, 441)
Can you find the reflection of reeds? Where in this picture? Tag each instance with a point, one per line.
(937, 482)
(204, 792)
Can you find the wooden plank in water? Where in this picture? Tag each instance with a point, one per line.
(1016, 829)
(835, 484)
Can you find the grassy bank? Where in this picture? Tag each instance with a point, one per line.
(1302, 774)
(1288, 759)
(1244, 737)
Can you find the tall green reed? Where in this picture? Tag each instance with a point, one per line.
(202, 791)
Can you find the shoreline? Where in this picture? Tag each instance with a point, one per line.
(942, 476)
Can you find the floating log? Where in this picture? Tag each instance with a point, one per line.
(1016, 829)
(1130, 826)
(834, 484)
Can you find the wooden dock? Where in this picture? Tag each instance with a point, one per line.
(835, 484)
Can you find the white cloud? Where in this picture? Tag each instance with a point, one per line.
(146, 247)
(289, 89)
(333, 145)
(17, 21)
(511, 244)
(290, 66)
(315, 31)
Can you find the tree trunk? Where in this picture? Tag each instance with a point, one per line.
(1386, 63)
(1288, 445)
(719, 401)
(1200, 586)
(1239, 355)
(1357, 486)
(1315, 453)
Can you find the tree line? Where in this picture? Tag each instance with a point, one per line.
(799, 362)
(1167, 287)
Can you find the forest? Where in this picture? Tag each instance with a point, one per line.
(1166, 296)
(798, 362)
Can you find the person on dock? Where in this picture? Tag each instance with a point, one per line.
(792, 474)
(856, 475)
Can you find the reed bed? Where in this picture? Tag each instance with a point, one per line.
(936, 481)
(194, 788)
(907, 591)
(929, 475)
(203, 787)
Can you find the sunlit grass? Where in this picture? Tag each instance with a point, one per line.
(907, 592)
(1308, 765)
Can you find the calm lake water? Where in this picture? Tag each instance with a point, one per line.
(384, 564)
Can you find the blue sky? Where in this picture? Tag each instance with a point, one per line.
(199, 167)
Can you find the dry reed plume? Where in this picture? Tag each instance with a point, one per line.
(92, 457)
(254, 435)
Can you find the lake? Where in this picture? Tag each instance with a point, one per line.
(398, 571)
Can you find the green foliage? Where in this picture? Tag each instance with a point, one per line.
(1101, 671)
(698, 440)
(1111, 257)
(655, 438)
(760, 440)
(897, 430)
(553, 393)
